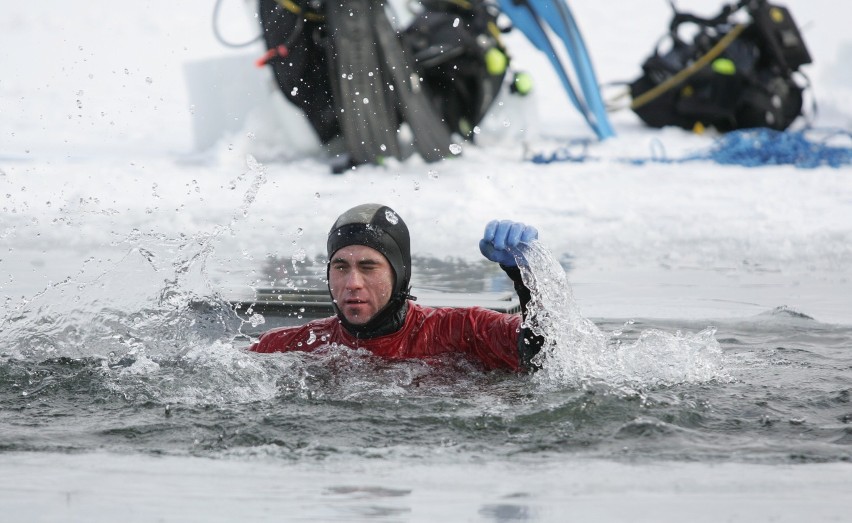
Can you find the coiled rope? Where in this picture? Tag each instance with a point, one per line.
(806, 149)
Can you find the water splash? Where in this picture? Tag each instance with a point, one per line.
(339, 373)
(154, 301)
(201, 373)
(577, 353)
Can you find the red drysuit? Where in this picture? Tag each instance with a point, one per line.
(484, 335)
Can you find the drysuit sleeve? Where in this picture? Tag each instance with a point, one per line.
(529, 343)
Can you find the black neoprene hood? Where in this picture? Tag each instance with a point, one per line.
(379, 227)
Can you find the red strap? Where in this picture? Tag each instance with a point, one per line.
(275, 52)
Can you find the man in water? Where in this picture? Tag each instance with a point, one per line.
(369, 275)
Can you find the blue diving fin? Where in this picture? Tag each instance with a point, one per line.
(529, 16)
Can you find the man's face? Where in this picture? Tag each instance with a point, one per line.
(361, 282)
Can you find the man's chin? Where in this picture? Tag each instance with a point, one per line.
(357, 319)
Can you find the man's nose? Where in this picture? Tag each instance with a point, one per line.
(354, 280)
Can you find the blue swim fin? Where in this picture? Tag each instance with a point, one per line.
(530, 16)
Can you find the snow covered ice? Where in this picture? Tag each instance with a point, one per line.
(92, 150)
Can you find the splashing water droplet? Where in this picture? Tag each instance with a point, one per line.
(577, 353)
(455, 148)
(252, 163)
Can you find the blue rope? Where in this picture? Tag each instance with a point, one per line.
(758, 147)
(567, 153)
(747, 148)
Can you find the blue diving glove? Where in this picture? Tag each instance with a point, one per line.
(502, 238)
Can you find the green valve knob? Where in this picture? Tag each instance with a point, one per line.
(496, 61)
(522, 83)
(724, 66)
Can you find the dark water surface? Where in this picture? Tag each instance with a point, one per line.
(126, 393)
(157, 374)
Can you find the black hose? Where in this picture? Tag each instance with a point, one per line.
(218, 35)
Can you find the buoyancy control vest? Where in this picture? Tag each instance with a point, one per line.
(729, 76)
(463, 60)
